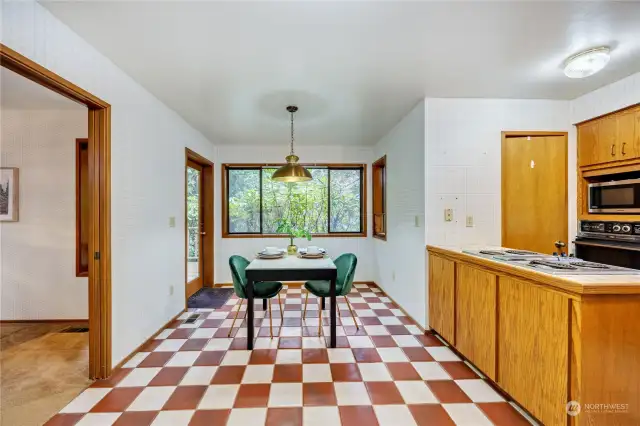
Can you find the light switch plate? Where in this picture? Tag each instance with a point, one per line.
(469, 221)
(172, 222)
(448, 215)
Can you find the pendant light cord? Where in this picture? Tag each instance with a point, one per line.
(292, 133)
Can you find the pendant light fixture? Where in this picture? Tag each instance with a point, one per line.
(292, 171)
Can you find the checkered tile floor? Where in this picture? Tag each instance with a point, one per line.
(387, 373)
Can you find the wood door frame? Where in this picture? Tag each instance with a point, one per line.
(208, 216)
(519, 133)
(99, 136)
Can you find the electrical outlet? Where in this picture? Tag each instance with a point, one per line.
(448, 215)
(417, 221)
(469, 221)
(170, 290)
(172, 222)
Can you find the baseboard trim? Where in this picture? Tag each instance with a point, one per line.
(49, 321)
(153, 336)
(293, 283)
(401, 308)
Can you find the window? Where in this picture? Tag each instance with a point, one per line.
(83, 206)
(332, 204)
(379, 170)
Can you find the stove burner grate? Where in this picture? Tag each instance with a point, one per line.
(491, 252)
(554, 265)
(520, 252)
(590, 265)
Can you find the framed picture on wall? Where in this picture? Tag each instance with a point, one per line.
(9, 194)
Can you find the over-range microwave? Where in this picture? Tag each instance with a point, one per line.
(618, 196)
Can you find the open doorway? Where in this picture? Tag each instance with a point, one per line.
(39, 163)
(198, 223)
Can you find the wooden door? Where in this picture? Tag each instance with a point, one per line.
(476, 320)
(628, 135)
(588, 144)
(195, 227)
(534, 192)
(608, 146)
(533, 348)
(442, 296)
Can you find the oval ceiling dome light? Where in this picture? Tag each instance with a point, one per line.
(587, 63)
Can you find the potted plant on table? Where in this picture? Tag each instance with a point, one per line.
(286, 226)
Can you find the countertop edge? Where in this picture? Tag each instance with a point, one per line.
(553, 281)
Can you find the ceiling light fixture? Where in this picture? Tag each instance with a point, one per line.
(587, 63)
(292, 171)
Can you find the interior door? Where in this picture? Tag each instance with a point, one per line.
(195, 227)
(534, 192)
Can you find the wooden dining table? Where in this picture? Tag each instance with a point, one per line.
(290, 268)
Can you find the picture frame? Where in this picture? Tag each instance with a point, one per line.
(9, 194)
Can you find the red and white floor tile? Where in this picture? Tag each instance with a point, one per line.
(386, 373)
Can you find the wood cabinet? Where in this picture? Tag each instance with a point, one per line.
(533, 348)
(476, 317)
(614, 137)
(442, 296)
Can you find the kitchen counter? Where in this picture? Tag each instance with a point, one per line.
(544, 339)
(576, 284)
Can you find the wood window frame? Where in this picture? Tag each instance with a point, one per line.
(99, 135)
(363, 199)
(379, 189)
(82, 144)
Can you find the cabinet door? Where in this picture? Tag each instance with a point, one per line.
(442, 296)
(588, 144)
(533, 348)
(607, 145)
(476, 317)
(628, 136)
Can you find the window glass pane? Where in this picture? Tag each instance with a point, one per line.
(193, 223)
(244, 200)
(345, 200)
(304, 204)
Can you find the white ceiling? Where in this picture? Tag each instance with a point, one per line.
(18, 92)
(354, 68)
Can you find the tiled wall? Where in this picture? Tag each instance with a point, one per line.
(38, 252)
(463, 139)
(147, 173)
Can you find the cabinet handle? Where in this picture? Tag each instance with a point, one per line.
(613, 150)
(623, 144)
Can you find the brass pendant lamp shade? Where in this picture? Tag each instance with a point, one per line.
(292, 171)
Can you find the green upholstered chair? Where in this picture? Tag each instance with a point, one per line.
(261, 290)
(346, 268)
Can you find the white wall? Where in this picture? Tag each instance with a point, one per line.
(39, 251)
(225, 247)
(464, 161)
(147, 176)
(400, 259)
(612, 97)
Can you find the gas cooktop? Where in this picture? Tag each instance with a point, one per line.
(554, 265)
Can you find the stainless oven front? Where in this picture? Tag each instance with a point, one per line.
(615, 197)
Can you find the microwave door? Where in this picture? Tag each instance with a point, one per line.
(615, 197)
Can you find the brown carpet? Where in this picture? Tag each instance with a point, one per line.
(41, 371)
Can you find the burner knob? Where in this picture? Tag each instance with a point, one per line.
(616, 228)
(626, 228)
(600, 227)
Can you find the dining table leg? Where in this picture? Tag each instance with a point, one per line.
(264, 304)
(249, 291)
(323, 304)
(332, 293)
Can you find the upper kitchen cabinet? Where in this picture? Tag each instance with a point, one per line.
(614, 137)
(628, 134)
